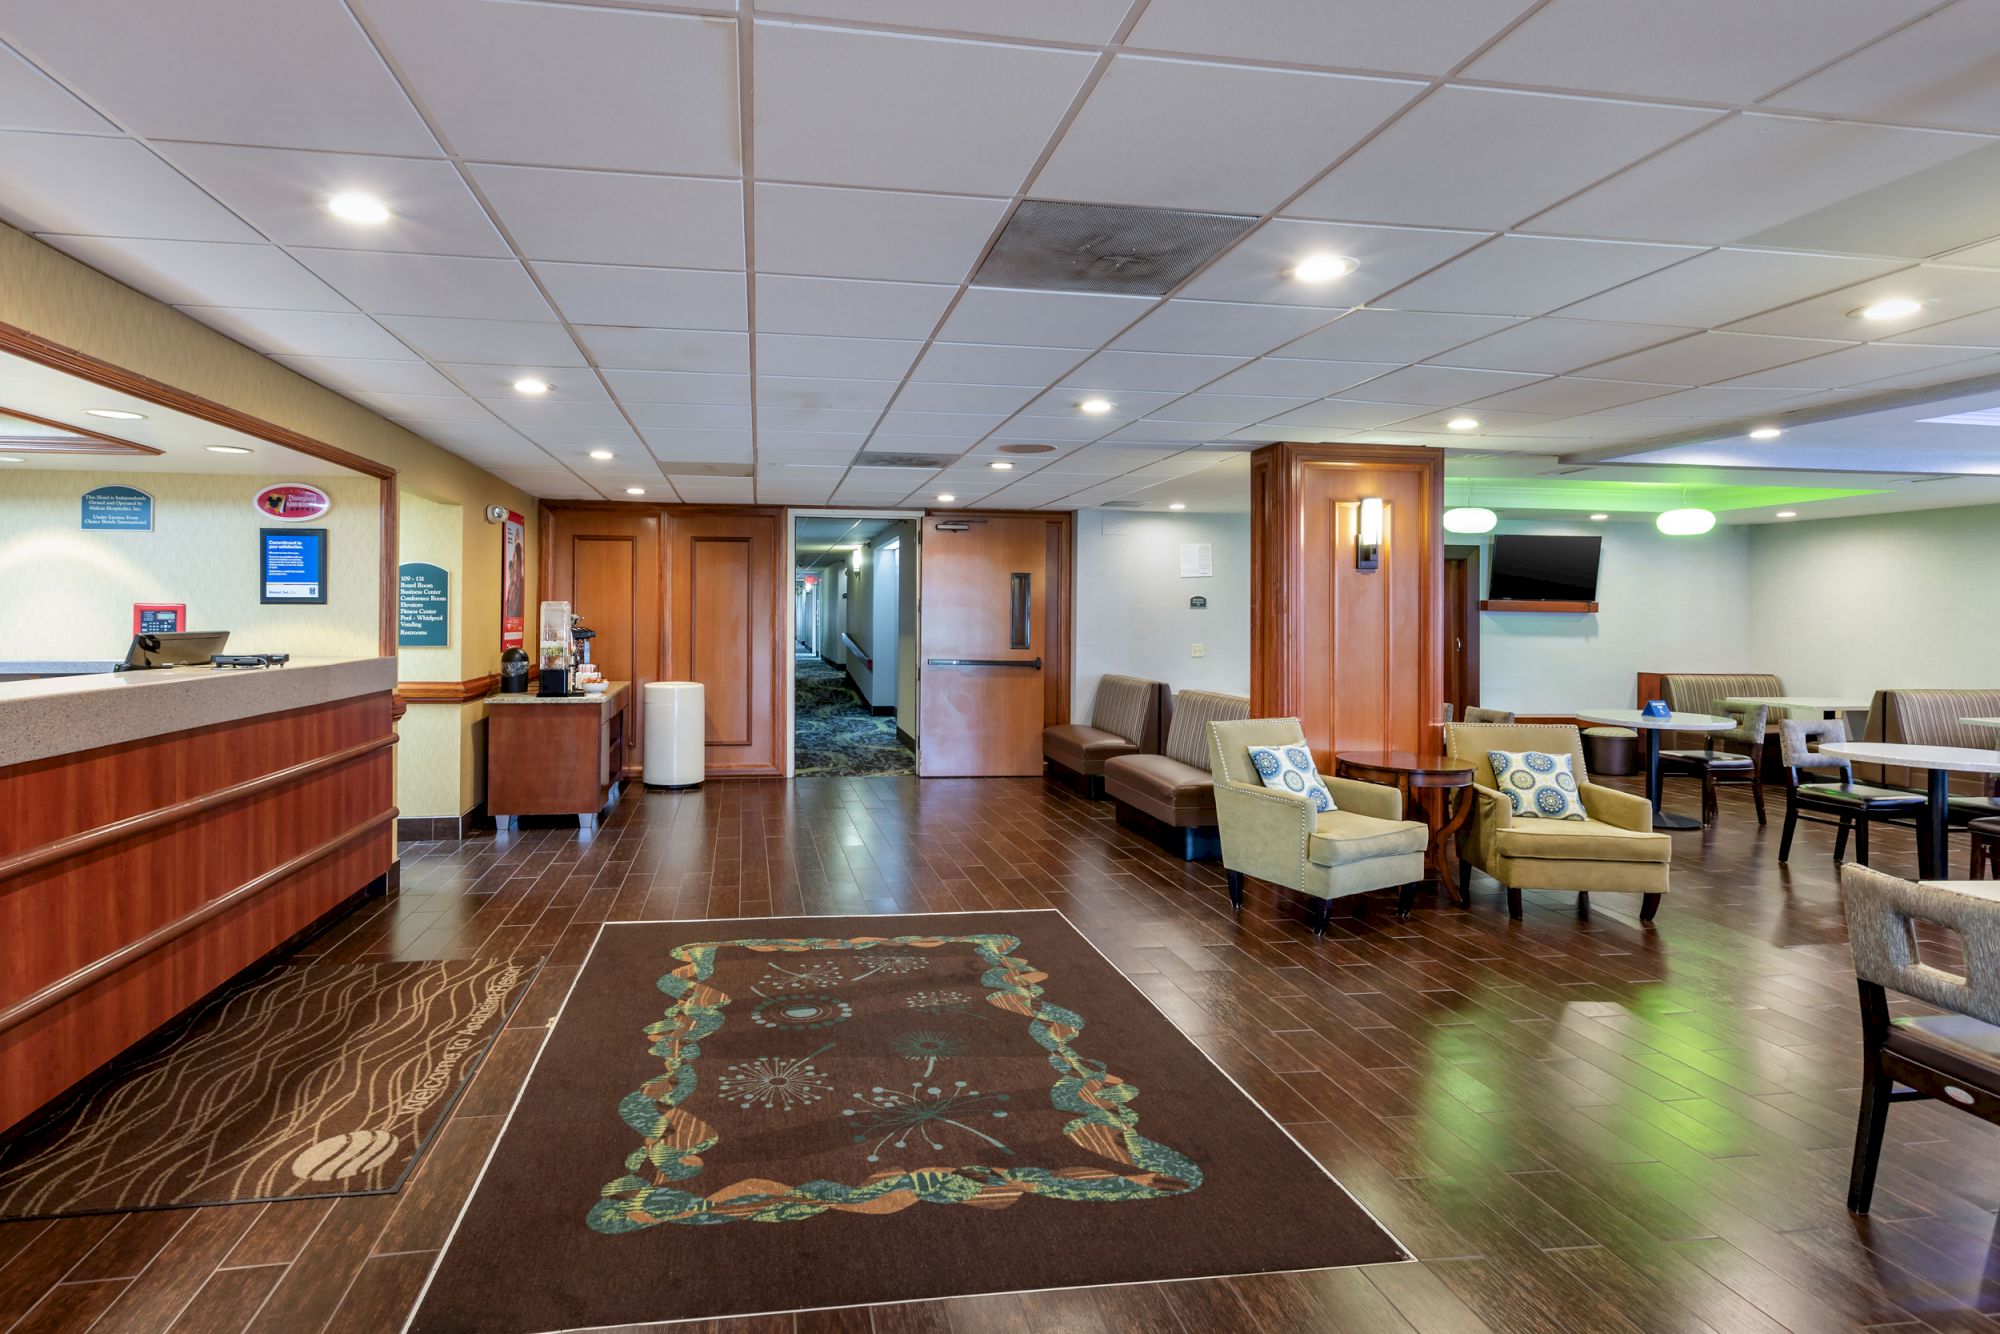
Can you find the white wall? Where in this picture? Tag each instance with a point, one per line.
(1132, 614)
(1669, 604)
(1889, 601)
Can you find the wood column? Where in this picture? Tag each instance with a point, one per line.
(1356, 655)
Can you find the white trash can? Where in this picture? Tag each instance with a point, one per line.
(676, 734)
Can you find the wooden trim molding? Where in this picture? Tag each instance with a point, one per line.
(448, 692)
(1505, 605)
(98, 969)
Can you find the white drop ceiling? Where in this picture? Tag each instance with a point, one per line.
(745, 239)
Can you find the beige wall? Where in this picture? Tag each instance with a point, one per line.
(55, 297)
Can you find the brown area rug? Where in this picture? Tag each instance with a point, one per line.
(735, 1117)
(322, 1079)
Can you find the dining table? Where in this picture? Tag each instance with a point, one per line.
(1652, 725)
(1826, 706)
(1993, 723)
(1939, 763)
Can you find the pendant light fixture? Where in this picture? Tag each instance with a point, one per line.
(1470, 518)
(1688, 521)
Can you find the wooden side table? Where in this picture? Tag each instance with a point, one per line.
(1438, 787)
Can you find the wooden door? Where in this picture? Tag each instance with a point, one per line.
(984, 645)
(725, 629)
(605, 562)
(1461, 628)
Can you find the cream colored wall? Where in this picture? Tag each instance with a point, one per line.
(67, 593)
(68, 303)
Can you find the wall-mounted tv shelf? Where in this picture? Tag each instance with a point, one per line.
(1581, 607)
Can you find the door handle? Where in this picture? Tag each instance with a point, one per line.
(1035, 663)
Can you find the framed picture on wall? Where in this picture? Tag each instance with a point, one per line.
(291, 563)
(513, 581)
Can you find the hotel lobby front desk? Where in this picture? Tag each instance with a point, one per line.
(164, 831)
(554, 756)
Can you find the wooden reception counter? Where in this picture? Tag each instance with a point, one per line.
(166, 830)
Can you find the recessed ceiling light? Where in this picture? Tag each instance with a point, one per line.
(1177, 506)
(358, 206)
(635, 490)
(946, 498)
(1890, 308)
(531, 386)
(1001, 465)
(601, 454)
(1463, 423)
(1788, 514)
(1766, 433)
(1322, 268)
(115, 414)
(1095, 406)
(226, 449)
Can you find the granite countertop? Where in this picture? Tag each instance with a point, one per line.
(612, 690)
(62, 715)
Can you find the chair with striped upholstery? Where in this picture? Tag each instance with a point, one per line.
(1931, 718)
(1124, 720)
(1170, 797)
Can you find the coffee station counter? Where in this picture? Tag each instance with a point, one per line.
(555, 755)
(167, 830)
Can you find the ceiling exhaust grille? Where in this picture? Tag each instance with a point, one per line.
(1104, 247)
(881, 460)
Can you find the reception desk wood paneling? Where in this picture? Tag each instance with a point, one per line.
(163, 835)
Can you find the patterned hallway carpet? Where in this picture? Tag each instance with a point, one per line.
(837, 735)
(785, 1114)
(321, 1079)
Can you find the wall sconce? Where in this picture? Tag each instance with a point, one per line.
(1368, 534)
(854, 557)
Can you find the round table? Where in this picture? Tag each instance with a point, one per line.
(1414, 773)
(1652, 727)
(1939, 763)
(1993, 723)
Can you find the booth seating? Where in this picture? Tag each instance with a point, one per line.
(1697, 692)
(1124, 720)
(1931, 718)
(1171, 796)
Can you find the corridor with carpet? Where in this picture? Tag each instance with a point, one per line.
(838, 735)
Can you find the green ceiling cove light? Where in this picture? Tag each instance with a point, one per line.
(1688, 522)
(1544, 497)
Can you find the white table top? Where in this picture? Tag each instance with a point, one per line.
(1816, 704)
(1673, 722)
(1981, 722)
(1958, 759)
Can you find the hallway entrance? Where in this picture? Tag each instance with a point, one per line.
(854, 704)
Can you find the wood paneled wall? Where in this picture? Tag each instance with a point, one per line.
(682, 593)
(137, 879)
(1357, 656)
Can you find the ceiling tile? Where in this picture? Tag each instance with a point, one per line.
(1017, 318)
(1153, 430)
(1695, 50)
(1981, 330)
(610, 218)
(554, 421)
(1532, 275)
(1716, 400)
(1286, 376)
(695, 416)
(1723, 285)
(1088, 21)
(1488, 157)
(1707, 357)
(1062, 423)
(1440, 386)
(572, 443)
(1358, 34)
(566, 385)
(1225, 409)
(1860, 364)
(87, 186)
(516, 343)
(792, 391)
(646, 298)
(614, 80)
(1394, 336)
(428, 407)
(31, 100)
(1338, 413)
(1553, 346)
(206, 273)
(1174, 133)
(959, 428)
(1256, 268)
(1748, 174)
(810, 230)
(938, 396)
(1937, 71)
(304, 333)
(1566, 394)
(812, 355)
(1947, 294)
(848, 421)
(382, 283)
(626, 349)
(994, 364)
(693, 445)
(351, 376)
(1126, 405)
(903, 112)
(840, 308)
(489, 435)
(155, 68)
(1118, 371)
(1926, 213)
(1220, 328)
(1963, 370)
(678, 387)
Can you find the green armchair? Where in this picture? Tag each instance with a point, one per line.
(1277, 836)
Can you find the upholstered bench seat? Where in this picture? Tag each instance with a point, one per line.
(1581, 840)
(1171, 796)
(1163, 787)
(1083, 749)
(1125, 719)
(1341, 838)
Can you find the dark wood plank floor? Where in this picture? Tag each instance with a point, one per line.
(1578, 1124)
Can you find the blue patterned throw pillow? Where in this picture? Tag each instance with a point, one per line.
(1539, 785)
(1291, 769)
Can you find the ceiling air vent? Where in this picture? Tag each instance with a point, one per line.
(879, 460)
(1104, 247)
(1123, 505)
(1027, 449)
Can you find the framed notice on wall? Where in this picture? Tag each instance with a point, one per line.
(513, 581)
(291, 563)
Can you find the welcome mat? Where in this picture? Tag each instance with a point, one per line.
(747, 1116)
(322, 1079)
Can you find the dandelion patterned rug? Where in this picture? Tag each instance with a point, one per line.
(780, 1114)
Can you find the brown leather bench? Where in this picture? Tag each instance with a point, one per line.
(1170, 797)
(1124, 720)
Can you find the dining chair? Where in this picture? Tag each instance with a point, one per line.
(1953, 1057)
(1714, 767)
(1849, 805)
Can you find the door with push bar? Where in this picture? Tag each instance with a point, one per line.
(980, 656)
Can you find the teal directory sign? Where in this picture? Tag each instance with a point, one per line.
(118, 507)
(423, 616)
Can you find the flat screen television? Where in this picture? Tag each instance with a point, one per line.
(1528, 568)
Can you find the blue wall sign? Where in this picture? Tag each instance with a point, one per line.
(118, 507)
(292, 563)
(423, 615)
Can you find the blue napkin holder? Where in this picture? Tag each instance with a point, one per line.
(1657, 708)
